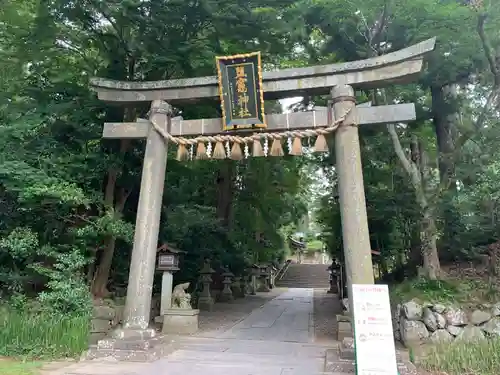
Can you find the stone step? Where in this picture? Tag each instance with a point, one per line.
(298, 351)
(205, 357)
(346, 351)
(335, 364)
(302, 285)
(194, 361)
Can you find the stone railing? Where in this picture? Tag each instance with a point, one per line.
(281, 272)
(416, 322)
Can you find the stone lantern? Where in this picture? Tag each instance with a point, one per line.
(254, 274)
(227, 294)
(168, 263)
(272, 276)
(243, 284)
(205, 300)
(238, 291)
(263, 278)
(238, 287)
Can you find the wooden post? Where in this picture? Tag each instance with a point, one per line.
(355, 235)
(142, 267)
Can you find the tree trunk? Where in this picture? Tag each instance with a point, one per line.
(445, 117)
(417, 168)
(225, 190)
(428, 238)
(100, 282)
(103, 262)
(427, 222)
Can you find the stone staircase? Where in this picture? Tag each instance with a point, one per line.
(305, 276)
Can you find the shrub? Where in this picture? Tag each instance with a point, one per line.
(66, 291)
(442, 291)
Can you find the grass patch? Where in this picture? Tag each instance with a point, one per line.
(8, 367)
(452, 291)
(469, 358)
(42, 336)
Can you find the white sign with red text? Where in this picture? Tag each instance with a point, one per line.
(374, 336)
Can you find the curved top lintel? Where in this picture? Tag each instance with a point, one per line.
(412, 52)
(297, 79)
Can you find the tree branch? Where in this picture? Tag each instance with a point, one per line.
(378, 27)
(488, 50)
(410, 168)
(407, 164)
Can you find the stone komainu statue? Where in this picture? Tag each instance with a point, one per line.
(181, 299)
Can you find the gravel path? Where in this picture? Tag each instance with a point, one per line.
(225, 315)
(326, 306)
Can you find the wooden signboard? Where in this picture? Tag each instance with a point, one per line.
(241, 91)
(373, 333)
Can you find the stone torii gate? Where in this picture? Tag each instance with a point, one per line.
(338, 80)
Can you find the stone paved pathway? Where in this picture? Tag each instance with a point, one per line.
(275, 339)
(225, 315)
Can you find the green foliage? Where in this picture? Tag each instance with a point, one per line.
(457, 358)
(65, 193)
(66, 291)
(453, 292)
(13, 367)
(315, 245)
(67, 197)
(42, 335)
(21, 243)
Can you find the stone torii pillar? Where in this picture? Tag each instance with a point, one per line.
(142, 266)
(135, 333)
(355, 234)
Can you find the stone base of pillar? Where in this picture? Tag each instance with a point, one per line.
(237, 291)
(133, 345)
(335, 364)
(333, 289)
(226, 296)
(205, 303)
(344, 330)
(343, 318)
(180, 322)
(263, 286)
(251, 290)
(346, 349)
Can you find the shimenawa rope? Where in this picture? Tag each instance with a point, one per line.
(254, 137)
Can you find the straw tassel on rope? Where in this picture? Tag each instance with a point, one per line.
(257, 148)
(182, 152)
(219, 151)
(236, 153)
(320, 145)
(296, 147)
(277, 148)
(201, 151)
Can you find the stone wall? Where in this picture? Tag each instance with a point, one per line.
(106, 316)
(416, 322)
